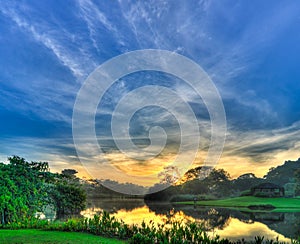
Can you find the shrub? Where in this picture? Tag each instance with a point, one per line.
(261, 194)
(183, 198)
(245, 193)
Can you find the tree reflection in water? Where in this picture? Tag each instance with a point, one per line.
(214, 220)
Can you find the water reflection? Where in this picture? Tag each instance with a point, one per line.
(236, 230)
(114, 205)
(227, 223)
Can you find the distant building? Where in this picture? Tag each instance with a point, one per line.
(267, 190)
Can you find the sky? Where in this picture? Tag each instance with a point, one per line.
(249, 49)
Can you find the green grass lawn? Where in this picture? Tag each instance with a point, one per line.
(40, 236)
(243, 202)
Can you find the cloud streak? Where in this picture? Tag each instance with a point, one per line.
(52, 39)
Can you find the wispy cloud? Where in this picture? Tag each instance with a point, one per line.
(51, 39)
(102, 26)
(57, 93)
(93, 16)
(262, 145)
(258, 150)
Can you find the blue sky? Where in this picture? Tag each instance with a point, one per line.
(250, 49)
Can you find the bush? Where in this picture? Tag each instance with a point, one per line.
(183, 198)
(245, 193)
(191, 197)
(261, 194)
(261, 207)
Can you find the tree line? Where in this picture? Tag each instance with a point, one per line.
(29, 187)
(207, 183)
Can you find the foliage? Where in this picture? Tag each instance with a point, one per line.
(22, 192)
(184, 197)
(107, 226)
(216, 185)
(297, 179)
(27, 188)
(68, 197)
(191, 197)
(195, 186)
(284, 173)
(164, 195)
(217, 182)
(261, 194)
(246, 193)
(70, 173)
(245, 182)
(290, 189)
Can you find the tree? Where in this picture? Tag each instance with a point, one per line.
(245, 182)
(283, 174)
(69, 173)
(219, 182)
(199, 172)
(27, 188)
(67, 198)
(297, 179)
(22, 193)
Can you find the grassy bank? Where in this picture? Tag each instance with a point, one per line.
(40, 236)
(244, 202)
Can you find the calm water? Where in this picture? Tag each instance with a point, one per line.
(227, 223)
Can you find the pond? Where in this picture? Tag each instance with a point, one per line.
(227, 223)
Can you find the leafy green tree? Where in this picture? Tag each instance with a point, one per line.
(194, 186)
(297, 179)
(245, 182)
(219, 183)
(290, 189)
(68, 198)
(283, 174)
(69, 173)
(27, 188)
(22, 191)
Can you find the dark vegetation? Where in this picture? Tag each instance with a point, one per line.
(218, 184)
(29, 187)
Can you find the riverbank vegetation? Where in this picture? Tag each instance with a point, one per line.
(104, 225)
(107, 226)
(27, 188)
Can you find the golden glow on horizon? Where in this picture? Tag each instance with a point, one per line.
(140, 168)
(236, 165)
